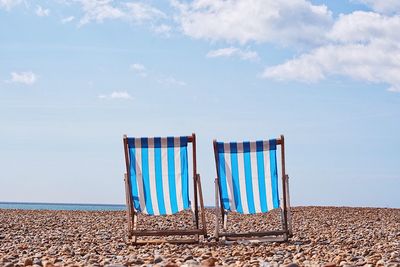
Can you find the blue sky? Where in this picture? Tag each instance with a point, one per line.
(75, 75)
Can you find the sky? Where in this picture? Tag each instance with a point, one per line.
(76, 75)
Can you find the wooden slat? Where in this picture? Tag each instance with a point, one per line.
(260, 239)
(279, 141)
(196, 211)
(248, 234)
(167, 232)
(284, 183)
(162, 241)
(203, 216)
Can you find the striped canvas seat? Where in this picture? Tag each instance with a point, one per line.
(159, 174)
(248, 176)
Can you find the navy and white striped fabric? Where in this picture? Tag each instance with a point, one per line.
(248, 176)
(159, 174)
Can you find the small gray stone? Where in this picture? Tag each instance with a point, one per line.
(37, 261)
(158, 260)
(189, 257)
(191, 263)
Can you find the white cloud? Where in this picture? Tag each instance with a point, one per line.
(9, 4)
(365, 27)
(67, 19)
(116, 95)
(123, 95)
(281, 22)
(171, 81)
(139, 69)
(364, 46)
(42, 12)
(100, 10)
(394, 89)
(163, 29)
(141, 12)
(27, 77)
(383, 6)
(233, 51)
(223, 52)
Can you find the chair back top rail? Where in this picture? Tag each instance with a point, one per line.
(266, 143)
(190, 138)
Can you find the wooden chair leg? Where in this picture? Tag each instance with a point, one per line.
(129, 213)
(289, 214)
(194, 221)
(203, 216)
(225, 221)
(134, 226)
(217, 210)
(285, 236)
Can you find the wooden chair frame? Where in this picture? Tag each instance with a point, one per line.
(132, 214)
(273, 236)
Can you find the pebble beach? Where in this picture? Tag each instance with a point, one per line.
(323, 236)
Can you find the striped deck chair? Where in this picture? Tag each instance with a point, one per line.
(157, 183)
(247, 182)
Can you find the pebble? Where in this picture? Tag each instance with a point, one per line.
(209, 262)
(158, 260)
(191, 263)
(28, 262)
(37, 261)
(189, 257)
(323, 236)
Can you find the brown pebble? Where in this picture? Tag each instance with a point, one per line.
(48, 264)
(236, 253)
(352, 236)
(209, 262)
(28, 262)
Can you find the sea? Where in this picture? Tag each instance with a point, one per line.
(61, 206)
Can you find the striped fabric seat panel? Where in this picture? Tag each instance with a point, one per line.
(159, 174)
(248, 176)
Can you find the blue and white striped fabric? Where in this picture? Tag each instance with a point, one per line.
(159, 174)
(248, 176)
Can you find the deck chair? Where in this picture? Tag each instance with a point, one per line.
(157, 183)
(247, 183)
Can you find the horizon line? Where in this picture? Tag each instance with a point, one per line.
(60, 203)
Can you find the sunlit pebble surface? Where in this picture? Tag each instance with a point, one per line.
(323, 236)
